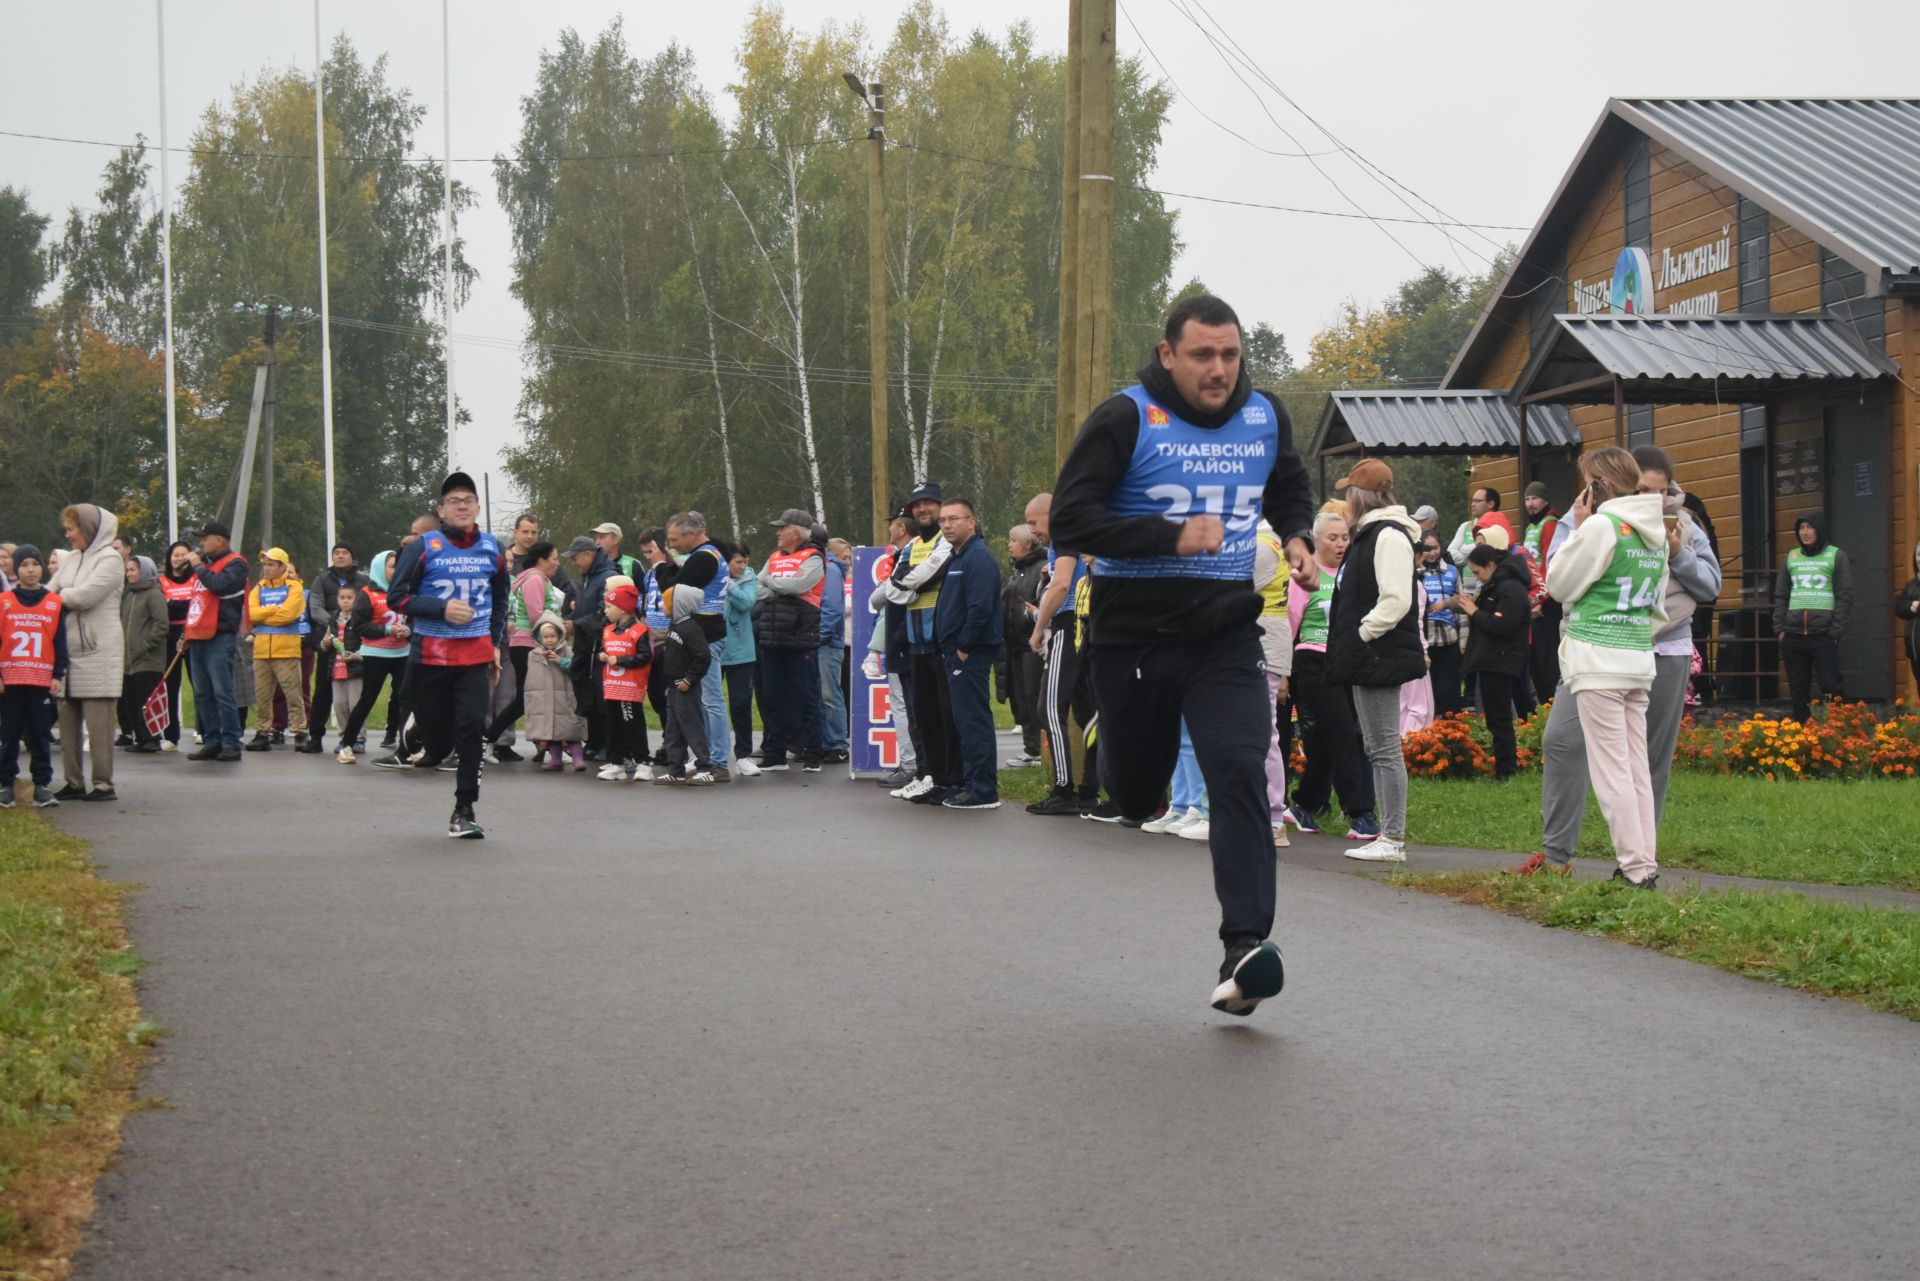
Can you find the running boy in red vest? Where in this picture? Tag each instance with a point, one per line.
(626, 658)
(33, 665)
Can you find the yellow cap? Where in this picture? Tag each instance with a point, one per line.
(275, 553)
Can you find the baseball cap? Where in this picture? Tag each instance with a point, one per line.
(581, 543)
(1368, 473)
(793, 516)
(924, 490)
(1425, 513)
(275, 553)
(215, 529)
(608, 527)
(458, 480)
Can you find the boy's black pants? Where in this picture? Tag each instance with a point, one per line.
(26, 714)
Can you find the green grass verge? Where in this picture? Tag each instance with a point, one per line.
(1818, 831)
(70, 1040)
(1870, 955)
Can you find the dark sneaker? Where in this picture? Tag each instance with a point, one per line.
(898, 778)
(43, 798)
(838, 756)
(1104, 812)
(1250, 974)
(6, 797)
(101, 794)
(463, 826)
(122, 740)
(423, 761)
(771, 765)
(447, 764)
(506, 755)
(259, 743)
(810, 764)
(701, 778)
(71, 793)
(1651, 883)
(1301, 819)
(971, 801)
(935, 795)
(1060, 800)
(279, 737)
(721, 774)
(151, 745)
(390, 762)
(1364, 827)
(211, 752)
(667, 776)
(1539, 865)
(312, 746)
(228, 754)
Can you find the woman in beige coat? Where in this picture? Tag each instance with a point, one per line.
(89, 582)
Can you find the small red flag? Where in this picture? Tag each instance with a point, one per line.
(155, 711)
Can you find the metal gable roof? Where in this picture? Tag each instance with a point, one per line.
(1435, 422)
(1678, 359)
(1845, 170)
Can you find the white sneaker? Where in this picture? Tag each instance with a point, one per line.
(169, 746)
(345, 756)
(198, 740)
(609, 773)
(873, 668)
(922, 784)
(742, 768)
(1178, 825)
(1380, 849)
(1195, 828)
(642, 773)
(1161, 824)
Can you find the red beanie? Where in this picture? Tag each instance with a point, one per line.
(625, 597)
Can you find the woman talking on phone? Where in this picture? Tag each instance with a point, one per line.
(1612, 572)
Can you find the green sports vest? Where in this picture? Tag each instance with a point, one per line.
(1617, 611)
(1314, 621)
(1812, 578)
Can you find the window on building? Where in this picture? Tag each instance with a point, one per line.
(1756, 511)
(1756, 247)
(1639, 425)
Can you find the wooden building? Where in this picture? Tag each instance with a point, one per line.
(1738, 282)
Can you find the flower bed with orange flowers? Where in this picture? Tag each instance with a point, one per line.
(1459, 746)
(1839, 740)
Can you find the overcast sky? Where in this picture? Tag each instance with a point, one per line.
(1477, 107)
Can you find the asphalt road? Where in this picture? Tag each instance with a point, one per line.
(793, 1029)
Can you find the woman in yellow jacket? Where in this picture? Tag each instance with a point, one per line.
(277, 607)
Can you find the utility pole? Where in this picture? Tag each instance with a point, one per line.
(872, 95)
(266, 426)
(1067, 406)
(1093, 327)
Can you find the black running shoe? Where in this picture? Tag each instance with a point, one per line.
(935, 796)
(259, 743)
(1251, 973)
(506, 755)
(71, 793)
(1060, 800)
(43, 798)
(228, 754)
(1651, 883)
(810, 764)
(390, 762)
(463, 826)
(6, 797)
(211, 752)
(1104, 812)
(966, 800)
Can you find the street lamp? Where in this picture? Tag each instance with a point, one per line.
(870, 94)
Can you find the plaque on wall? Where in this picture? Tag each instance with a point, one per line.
(1797, 467)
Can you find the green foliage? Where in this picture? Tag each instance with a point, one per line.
(711, 309)
(1867, 954)
(23, 266)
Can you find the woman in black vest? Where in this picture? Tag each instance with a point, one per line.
(1374, 642)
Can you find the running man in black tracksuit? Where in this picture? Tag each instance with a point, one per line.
(1166, 486)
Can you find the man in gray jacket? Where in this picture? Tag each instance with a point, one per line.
(1693, 582)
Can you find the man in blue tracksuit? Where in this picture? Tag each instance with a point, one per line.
(967, 625)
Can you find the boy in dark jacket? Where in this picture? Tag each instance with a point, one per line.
(33, 664)
(685, 656)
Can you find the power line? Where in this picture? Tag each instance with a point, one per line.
(363, 158)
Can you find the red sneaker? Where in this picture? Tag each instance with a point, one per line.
(1536, 864)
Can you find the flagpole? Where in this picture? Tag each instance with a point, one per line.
(446, 218)
(326, 328)
(166, 275)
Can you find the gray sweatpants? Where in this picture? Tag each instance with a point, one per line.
(685, 728)
(1377, 708)
(1563, 786)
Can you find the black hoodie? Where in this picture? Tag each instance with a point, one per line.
(1145, 610)
(1813, 622)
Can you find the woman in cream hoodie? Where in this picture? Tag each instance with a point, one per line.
(1612, 574)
